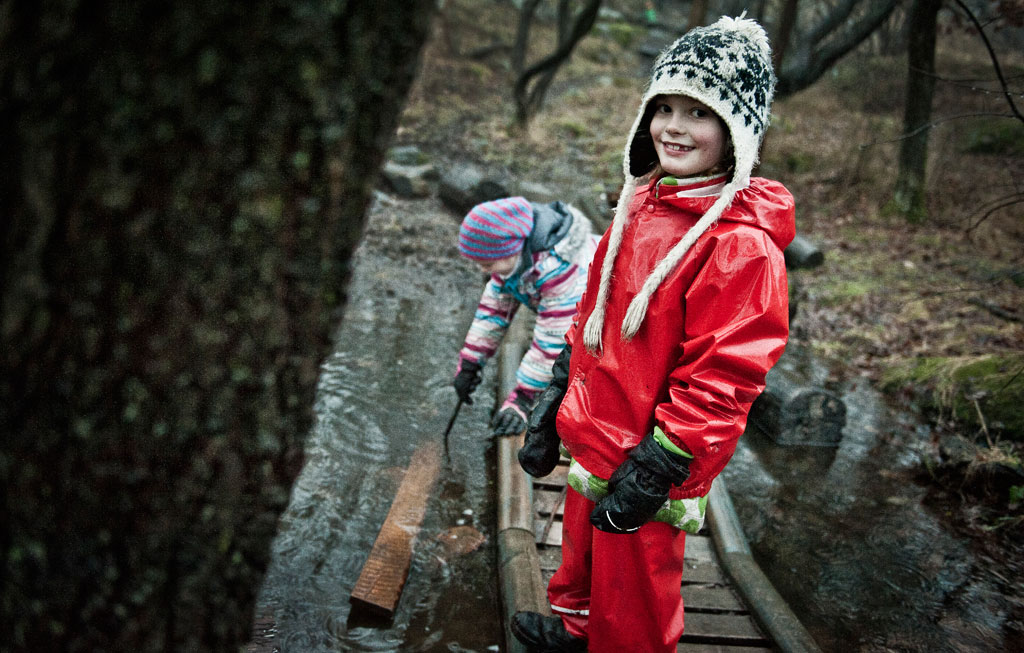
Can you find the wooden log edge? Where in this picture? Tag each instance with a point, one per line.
(522, 586)
(769, 608)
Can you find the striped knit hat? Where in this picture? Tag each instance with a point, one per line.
(496, 229)
(728, 67)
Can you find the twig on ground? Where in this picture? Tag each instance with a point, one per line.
(998, 311)
(984, 427)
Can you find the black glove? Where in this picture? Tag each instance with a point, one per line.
(467, 379)
(639, 487)
(508, 420)
(539, 453)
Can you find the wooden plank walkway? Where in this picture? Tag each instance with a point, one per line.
(717, 619)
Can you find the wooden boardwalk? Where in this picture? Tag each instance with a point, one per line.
(717, 619)
(730, 605)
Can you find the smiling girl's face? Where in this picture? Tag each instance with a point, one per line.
(689, 138)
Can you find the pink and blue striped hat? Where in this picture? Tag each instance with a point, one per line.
(496, 229)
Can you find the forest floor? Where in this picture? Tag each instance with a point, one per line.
(933, 313)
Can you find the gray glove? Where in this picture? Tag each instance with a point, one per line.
(508, 420)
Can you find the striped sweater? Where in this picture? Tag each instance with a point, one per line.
(551, 286)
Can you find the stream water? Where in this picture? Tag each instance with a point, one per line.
(840, 531)
(844, 536)
(384, 392)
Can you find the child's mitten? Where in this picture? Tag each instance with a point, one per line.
(511, 419)
(467, 379)
(539, 453)
(639, 487)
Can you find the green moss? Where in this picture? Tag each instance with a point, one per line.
(622, 33)
(573, 128)
(996, 137)
(970, 388)
(1016, 493)
(846, 290)
(480, 72)
(797, 162)
(909, 206)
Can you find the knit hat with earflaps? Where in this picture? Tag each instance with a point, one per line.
(728, 67)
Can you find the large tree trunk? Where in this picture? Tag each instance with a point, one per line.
(183, 187)
(909, 194)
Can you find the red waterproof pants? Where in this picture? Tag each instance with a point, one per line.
(620, 592)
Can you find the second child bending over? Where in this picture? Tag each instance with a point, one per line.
(537, 255)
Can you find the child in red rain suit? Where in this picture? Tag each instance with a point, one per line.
(685, 312)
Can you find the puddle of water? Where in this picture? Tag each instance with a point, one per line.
(843, 535)
(385, 391)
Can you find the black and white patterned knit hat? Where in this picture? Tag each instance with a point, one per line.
(728, 67)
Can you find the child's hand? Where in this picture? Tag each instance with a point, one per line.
(507, 422)
(511, 419)
(634, 500)
(466, 380)
(540, 453)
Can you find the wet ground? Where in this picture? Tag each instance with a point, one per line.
(384, 392)
(842, 532)
(845, 536)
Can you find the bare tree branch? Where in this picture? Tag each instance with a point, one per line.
(993, 207)
(810, 59)
(528, 101)
(931, 124)
(995, 59)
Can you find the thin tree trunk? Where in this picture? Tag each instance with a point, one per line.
(787, 21)
(529, 98)
(909, 193)
(698, 13)
(522, 42)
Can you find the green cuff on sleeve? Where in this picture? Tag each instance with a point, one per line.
(662, 439)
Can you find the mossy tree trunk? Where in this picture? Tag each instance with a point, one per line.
(183, 187)
(909, 194)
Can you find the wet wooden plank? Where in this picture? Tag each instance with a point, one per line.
(702, 571)
(556, 478)
(545, 500)
(550, 558)
(383, 575)
(699, 547)
(711, 598)
(554, 537)
(699, 647)
(735, 629)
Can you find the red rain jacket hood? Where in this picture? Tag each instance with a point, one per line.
(713, 329)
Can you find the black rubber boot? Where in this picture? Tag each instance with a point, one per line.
(545, 634)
